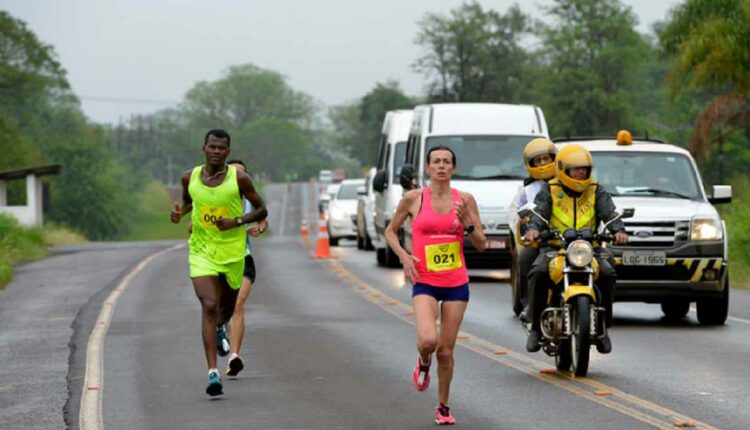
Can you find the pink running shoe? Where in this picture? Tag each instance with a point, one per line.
(421, 376)
(443, 416)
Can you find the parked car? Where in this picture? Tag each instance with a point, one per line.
(386, 184)
(678, 248)
(365, 215)
(326, 195)
(342, 211)
(488, 140)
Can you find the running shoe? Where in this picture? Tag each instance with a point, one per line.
(214, 387)
(443, 416)
(235, 366)
(421, 376)
(222, 341)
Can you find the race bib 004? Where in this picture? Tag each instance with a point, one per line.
(443, 256)
(209, 215)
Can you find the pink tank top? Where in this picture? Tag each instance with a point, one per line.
(438, 243)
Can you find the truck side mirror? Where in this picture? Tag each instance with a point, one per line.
(407, 177)
(721, 194)
(379, 182)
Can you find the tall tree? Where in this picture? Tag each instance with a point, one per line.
(473, 54)
(593, 57)
(708, 43)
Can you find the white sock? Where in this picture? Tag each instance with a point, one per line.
(212, 370)
(233, 356)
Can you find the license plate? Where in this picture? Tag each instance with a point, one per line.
(495, 244)
(644, 258)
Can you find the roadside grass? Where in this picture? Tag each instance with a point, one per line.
(19, 243)
(738, 225)
(152, 219)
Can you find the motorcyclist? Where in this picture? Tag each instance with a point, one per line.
(539, 157)
(572, 199)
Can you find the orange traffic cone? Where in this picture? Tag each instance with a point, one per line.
(303, 230)
(323, 247)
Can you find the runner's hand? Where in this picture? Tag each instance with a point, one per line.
(226, 224)
(462, 211)
(256, 229)
(176, 214)
(410, 269)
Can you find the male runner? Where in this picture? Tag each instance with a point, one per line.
(217, 244)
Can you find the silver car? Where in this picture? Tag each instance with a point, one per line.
(342, 211)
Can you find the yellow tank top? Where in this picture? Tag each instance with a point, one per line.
(211, 204)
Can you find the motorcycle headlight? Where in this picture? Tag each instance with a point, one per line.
(580, 253)
(706, 228)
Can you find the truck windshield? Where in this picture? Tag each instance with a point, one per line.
(485, 157)
(646, 174)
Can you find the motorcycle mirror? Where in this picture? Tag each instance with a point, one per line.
(587, 234)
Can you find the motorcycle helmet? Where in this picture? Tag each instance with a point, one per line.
(570, 156)
(535, 148)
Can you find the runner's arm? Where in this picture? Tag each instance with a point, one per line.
(391, 234)
(187, 201)
(247, 188)
(471, 217)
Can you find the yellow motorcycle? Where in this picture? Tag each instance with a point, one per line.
(572, 321)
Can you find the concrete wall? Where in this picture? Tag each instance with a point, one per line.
(31, 213)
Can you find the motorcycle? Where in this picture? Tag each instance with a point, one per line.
(572, 320)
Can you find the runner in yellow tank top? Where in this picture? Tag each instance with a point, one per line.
(213, 192)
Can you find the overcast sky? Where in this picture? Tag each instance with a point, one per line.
(137, 56)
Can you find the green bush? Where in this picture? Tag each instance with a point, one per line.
(17, 243)
(738, 226)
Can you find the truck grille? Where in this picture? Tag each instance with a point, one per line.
(657, 234)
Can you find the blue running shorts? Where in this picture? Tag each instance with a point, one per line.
(442, 294)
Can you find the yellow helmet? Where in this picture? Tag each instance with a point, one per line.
(570, 156)
(535, 148)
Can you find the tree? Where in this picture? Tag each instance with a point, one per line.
(357, 125)
(246, 93)
(593, 59)
(708, 43)
(473, 54)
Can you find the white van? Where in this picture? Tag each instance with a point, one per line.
(386, 184)
(488, 140)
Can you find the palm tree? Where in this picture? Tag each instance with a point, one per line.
(708, 42)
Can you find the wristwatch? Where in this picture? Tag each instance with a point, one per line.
(238, 220)
(469, 229)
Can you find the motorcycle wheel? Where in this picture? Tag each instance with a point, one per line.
(580, 338)
(562, 360)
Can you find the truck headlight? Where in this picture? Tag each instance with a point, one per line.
(706, 228)
(580, 253)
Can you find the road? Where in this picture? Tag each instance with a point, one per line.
(330, 344)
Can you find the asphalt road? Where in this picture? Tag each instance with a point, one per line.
(330, 345)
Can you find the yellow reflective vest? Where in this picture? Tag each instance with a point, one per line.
(567, 211)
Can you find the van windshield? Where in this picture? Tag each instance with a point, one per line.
(648, 174)
(485, 157)
(399, 154)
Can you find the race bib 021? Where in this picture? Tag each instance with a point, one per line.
(209, 215)
(443, 256)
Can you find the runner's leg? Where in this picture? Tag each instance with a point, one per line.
(226, 299)
(425, 314)
(451, 315)
(206, 290)
(237, 323)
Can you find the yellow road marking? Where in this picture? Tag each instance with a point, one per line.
(90, 412)
(617, 400)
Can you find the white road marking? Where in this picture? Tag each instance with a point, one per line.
(90, 412)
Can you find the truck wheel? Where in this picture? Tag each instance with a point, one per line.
(368, 243)
(360, 242)
(714, 311)
(675, 309)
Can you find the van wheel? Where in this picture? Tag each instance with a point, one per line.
(360, 242)
(380, 255)
(368, 243)
(515, 284)
(675, 309)
(714, 311)
(333, 241)
(391, 259)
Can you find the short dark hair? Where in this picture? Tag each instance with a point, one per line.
(219, 133)
(441, 148)
(237, 161)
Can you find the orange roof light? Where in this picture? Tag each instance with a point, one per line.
(624, 138)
